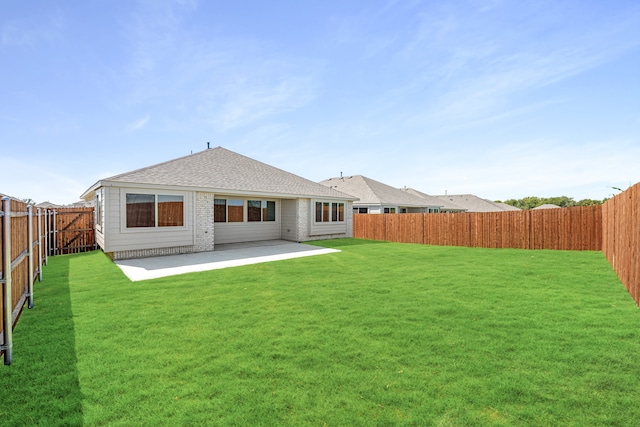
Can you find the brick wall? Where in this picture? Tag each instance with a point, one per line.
(204, 222)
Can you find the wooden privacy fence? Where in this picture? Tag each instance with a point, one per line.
(576, 228)
(22, 251)
(28, 236)
(621, 237)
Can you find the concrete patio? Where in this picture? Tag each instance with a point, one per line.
(230, 255)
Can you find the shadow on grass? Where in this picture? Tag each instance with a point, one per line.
(42, 387)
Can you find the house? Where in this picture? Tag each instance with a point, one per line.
(472, 203)
(376, 197)
(216, 196)
(546, 206)
(48, 205)
(446, 205)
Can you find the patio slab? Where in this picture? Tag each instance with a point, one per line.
(224, 256)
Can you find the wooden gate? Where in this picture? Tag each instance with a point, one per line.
(72, 231)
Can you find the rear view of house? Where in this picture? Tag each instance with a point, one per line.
(212, 197)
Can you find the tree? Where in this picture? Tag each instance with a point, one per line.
(562, 201)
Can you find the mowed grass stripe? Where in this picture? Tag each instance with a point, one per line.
(378, 334)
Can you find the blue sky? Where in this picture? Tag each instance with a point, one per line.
(502, 99)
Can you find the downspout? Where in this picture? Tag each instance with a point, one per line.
(7, 320)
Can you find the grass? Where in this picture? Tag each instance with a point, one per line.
(378, 334)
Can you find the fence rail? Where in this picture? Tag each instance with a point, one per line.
(28, 236)
(576, 228)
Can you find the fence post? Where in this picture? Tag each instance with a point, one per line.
(30, 248)
(55, 235)
(39, 245)
(7, 320)
(46, 237)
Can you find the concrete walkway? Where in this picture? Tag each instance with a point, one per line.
(231, 255)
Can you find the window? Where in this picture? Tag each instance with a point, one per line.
(389, 210)
(142, 209)
(254, 210)
(219, 210)
(363, 210)
(232, 210)
(236, 210)
(98, 202)
(268, 210)
(329, 212)
(170, 211)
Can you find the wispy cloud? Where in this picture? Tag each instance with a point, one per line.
(224, 82)
(24, 33)
(470, 63)
(138, 124)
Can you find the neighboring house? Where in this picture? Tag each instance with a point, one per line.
(81, 204)
(216, 196)
(507, 207)
(446, 205)
(376, 197)
(47, 205)
(546, 206)
(472, 203)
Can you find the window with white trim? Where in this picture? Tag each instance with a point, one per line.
(232, 210)
(329, 212)
(154, 210)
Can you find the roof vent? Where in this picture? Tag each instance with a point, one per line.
(208, 145)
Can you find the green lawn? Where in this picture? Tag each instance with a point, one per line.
(378, 334)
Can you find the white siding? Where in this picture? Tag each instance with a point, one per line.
(246, 232)
(119, 238)
(289, 219)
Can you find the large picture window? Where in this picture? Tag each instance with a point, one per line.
(329, 212)
(142, 209)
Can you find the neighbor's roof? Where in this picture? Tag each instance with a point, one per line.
(372, 192)
(444, 204)
(546, 206)
(222, 171)
(476, 204)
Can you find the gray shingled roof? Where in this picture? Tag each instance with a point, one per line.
(221, 170)
(475, 204)
(372, 192)
(546, 206)
(444, 204)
